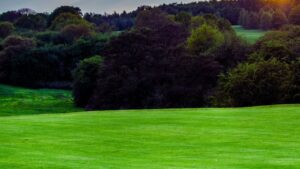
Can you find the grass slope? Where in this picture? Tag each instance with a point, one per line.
(20, 101)
(242, 138)
(251, 35)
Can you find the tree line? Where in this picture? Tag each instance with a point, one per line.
(186, 61)
(162, 60)
(268, 18)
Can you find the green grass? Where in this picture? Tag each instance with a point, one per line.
(20, 101)
(266, 137)
(250, 35)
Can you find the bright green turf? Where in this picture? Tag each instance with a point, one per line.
(251, 35)
(19, 101)
(242, 138)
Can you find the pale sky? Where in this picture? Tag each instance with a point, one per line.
(96, 6)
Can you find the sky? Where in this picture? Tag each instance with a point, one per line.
(95, 6)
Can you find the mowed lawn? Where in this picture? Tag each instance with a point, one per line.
(250, 35)
(265, 137)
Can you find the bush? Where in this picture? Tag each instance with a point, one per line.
(261, 83)
(85, 79)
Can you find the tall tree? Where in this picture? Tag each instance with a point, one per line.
(184, 18)
(85, 79)
(205, 39)
(34, 22)
(65, 19)
(63, 9)
(6, 28)
(152, 18)
(294, 16)
(265, 20)
(279, 19)
(10, 16)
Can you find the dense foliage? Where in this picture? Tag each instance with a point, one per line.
(85, 77)
(176, 55)
(259, 83)
(270, 76)
(158, 64)
(6, 28)
(270, 15)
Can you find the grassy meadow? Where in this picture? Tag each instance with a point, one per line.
(251, 35)
(265, 137)
(20, 101)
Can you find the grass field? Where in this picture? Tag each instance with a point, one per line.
(251, 35)
(259, 137)
(19, 101)
(31, 137)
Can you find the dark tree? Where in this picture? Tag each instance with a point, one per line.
(260, 83)
(66, 19)
(85, 79)
(184, 18)
(10, 16)
(63, 9)
(152, 18)
(6, 28)
(35, 22)
(294, 16)
(279, 19)
(14, 48)
(74, 32)
(148, 68)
